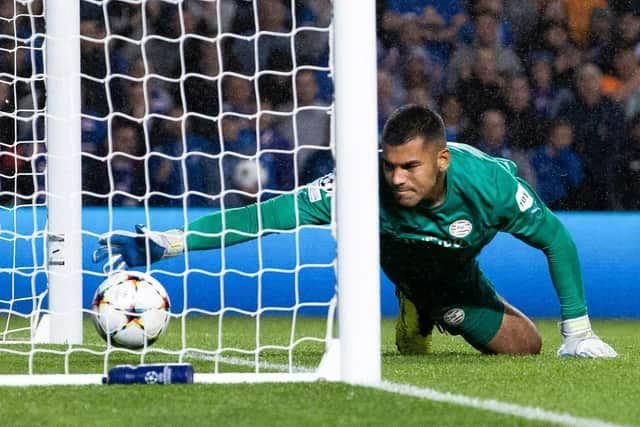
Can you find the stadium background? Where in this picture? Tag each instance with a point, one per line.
(607, 243)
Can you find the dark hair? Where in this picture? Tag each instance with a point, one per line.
(412, 121)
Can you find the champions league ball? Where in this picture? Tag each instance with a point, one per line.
(246, 175)
(131, 309)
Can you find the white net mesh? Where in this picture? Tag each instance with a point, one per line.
(187, 107)
(22, 162)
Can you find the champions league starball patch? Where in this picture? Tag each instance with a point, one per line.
(454, 317)
(460, 228)
(326, 182)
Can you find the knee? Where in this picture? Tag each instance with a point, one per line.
(516, 346)
(535, 345)
(530, 343)
(516, 337)
(519, 334)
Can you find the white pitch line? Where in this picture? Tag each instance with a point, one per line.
(279, 367)
(528, 412)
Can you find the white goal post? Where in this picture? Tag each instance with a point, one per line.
(64, 169)
(357, 189)
(352, 353)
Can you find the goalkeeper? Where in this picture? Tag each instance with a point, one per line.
(440, 204)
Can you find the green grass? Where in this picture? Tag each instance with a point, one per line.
(604, 389)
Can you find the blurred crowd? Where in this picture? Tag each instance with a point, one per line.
(552, 85)
(188, 103)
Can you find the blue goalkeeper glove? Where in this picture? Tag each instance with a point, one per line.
(580, 341)
(124, 247)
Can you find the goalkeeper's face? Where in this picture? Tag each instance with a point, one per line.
(416, 171)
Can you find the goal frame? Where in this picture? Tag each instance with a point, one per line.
(64, 173)
(354, 357)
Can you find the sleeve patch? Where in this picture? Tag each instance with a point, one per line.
(523, 198)
(324, 183)
(314, 193)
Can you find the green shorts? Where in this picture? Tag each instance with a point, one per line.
(477, 323)
(475, 314)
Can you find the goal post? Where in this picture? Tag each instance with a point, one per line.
(160, 93)
(64, 172)
(357, 189)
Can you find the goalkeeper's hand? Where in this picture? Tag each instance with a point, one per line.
(580, 341)
(123, 247)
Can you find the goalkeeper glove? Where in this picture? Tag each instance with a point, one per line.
(123, 247)
(580, 341)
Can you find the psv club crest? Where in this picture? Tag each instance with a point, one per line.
(460, 228)
(454, 317)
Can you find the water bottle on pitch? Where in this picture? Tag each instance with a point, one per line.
(152, 373)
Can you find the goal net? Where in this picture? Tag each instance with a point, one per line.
(122, 112)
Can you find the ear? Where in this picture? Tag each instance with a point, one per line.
(443, 159)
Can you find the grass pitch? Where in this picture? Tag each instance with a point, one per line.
(607, 390)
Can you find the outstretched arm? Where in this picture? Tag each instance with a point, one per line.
(310, 205)
(241, 224)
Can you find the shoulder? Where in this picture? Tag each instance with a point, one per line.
(473, 171)
(471, 161)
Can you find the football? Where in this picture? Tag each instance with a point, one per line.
(131, 309)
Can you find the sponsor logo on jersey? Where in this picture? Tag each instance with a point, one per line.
(454, 317)
(324, 183)
(432, 240)
(460, 228)
(523, 198)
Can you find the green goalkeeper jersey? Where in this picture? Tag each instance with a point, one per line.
(429, 252)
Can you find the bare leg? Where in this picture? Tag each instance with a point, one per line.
(517, 334)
